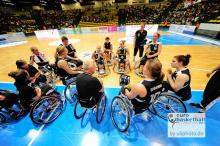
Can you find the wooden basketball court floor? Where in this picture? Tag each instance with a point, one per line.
(205, 56)
(66, 130)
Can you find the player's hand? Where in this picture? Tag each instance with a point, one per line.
(168, 73)
(208, 74)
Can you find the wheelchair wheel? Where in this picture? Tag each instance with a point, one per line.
(137, 69)
(101, 107)
(46, 110)
(79, 111)
(70, 92)
(2, 118)
(120, 114)
(166, 103)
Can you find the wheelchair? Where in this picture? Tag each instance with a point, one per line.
(122, 110)
(97, 104)
(104, 71)
(137, 64)
(43, 111)
(120, 66)
(49, 71)
(109, 57)
(70, 91)
(137, 69)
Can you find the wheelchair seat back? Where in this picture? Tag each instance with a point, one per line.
(88, 102)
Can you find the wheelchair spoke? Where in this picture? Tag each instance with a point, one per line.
(120, 114)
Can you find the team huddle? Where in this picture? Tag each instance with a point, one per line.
(68, 66)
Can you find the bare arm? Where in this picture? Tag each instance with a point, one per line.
(38, 92)
(111, 48)
(178, 83)
(215, 69)
(93, 56)
(136, 90)
(32, 60)
(63, 64)
(128, 53)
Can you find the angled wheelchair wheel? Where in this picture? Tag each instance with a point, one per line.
(137, 69)
(46, 110)
(79, 111)
(167, 103)
(2, 118)
(136, 64)
(70, 92)
(101, 107)
(120, 114)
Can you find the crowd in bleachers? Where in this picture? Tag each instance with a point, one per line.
(199, 12)
(97, 16)
(30, 21)
(16, 23)
(58, 19)
(139, 13)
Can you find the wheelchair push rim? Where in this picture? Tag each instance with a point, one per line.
(79, 111)
(46, 110)
(101, 107)
(166, 103)
(2, 118)
(70, 92)
(119, 107)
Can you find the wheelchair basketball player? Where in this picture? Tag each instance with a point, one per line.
(122, 58)
(99, 57)
(108, 48)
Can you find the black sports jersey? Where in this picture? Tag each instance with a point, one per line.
(153, 47)
(153, 90)
(71, 50)
(61, 72)
(140, 37)
(98, 56)
(185, 91)
(122, 53)
(107, 45)
(39, 59)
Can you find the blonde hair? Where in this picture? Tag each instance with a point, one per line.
(87, 64)
(59, 50)
(33, 48)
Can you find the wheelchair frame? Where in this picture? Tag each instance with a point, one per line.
(127, 108)
(97, 106)
(51, 99)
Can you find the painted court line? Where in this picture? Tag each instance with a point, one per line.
(35, 137)
(200, 69)
(198, 38)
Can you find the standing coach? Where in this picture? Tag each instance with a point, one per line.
(140, 40)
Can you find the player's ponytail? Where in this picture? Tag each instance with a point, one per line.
(59, 50)
(185, 59)
(158, 34)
